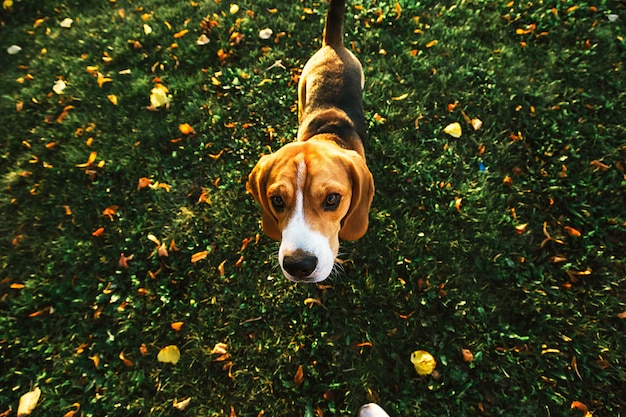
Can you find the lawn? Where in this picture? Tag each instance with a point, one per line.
(127, 236)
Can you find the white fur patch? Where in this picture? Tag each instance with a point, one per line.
(299, 235)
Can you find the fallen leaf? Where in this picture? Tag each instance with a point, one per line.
(221, 268)
(423, 362)
(220, 348)
(265, 33)
(571, 231)
(14, 49)
(28, 402)
(143, 349)
(521, 228)
(143, 183)
(186, 129)
(180, 34)
(176, 326)
(432, 43)
(72, 413)
(454, 130)
(162, 251)
(199, 256)
(110, 211)
(169, 354)
(98, 232)
(66, 23)
(152, 238)
(158, 96)
(400, 97)
(298, 378)
(181, 405)
(203, 40)
(59, 86)
(113, 99)
(16, 286)
(312, 301)
(468, 356)
(234, 8)
(476, 123)
(126, 361)
(599, 166)
(123, 262)
(621, 315)
(147, 29)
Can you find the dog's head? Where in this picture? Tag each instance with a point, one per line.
(312, 193)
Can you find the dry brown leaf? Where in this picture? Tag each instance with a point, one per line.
(123, 262)
(298, 378)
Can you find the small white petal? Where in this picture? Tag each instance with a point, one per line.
(265, 33)
(59, 86)
(66, 23)
(14, 49)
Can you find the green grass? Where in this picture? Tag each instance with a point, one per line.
(433, 272)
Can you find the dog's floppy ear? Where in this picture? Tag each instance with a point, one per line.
(257, 186)
(354, 224)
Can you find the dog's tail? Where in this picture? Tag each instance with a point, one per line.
(333, 29)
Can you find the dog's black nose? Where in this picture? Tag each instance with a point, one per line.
(300, 264)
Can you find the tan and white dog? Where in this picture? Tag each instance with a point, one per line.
(319, 189)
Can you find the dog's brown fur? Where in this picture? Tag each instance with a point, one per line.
(327, 159)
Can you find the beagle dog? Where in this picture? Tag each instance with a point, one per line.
(319, 189)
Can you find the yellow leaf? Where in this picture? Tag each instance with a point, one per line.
(400, 97)
(113, 99)
(423, 362)
(221, 269)
(72, 413)
(432, 43)
(219, 349)
(454, 130)
(28, 402)
(101, 80)
(182, 404)
(158, 96)
(169, 354)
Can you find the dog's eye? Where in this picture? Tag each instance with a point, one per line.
(277, 202)
(332, 201)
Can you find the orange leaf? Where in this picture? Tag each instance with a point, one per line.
(186, 129)
(90, 160)
(199, 256)
(17, 286)
(180, 34)
(521, 228)
(176, 326)
(123, 262)
(468, 356)
(162, 251)
(98, 232)
(621, 315)
(143, 183)
(579, 406)
(143, 349)
(312, 301)
(110, 211)
(298, 378)
(221, 269)
(432, 43)
(72, 413)
(126, 361)
(572, 232)
(599, 166)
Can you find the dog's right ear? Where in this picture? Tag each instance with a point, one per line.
(257, 186)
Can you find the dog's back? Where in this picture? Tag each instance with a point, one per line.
(330, 88)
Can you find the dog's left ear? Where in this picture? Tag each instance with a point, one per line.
(354, 224)
(257, 186)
